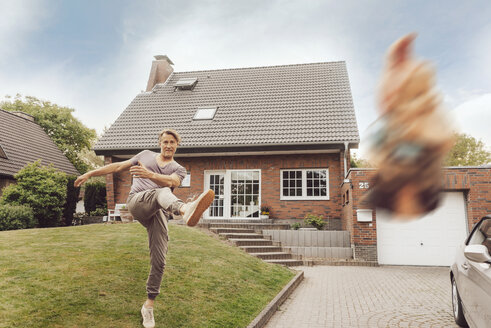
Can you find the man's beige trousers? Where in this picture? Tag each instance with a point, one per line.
(152, 208)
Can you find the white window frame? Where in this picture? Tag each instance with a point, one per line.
(304, 185)
(227, 190)
(186, 182)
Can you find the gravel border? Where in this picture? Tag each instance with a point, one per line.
(266, 314)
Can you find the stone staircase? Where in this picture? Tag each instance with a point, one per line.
(247, 235)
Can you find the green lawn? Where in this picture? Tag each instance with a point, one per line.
(95, 275)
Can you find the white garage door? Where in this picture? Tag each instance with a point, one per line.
(431, 240)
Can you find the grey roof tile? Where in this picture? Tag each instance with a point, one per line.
(24, 142)
(289, 104)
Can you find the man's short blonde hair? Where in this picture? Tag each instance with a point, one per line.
(171, 132)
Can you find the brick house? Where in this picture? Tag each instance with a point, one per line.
(23, 141)
(280, 137)
(275, 136)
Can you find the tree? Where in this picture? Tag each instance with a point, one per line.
(72, 194)
(356, 162)
(67, 132)
(43, 189)
(467, 151)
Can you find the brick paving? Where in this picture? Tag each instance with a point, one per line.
(385, 296)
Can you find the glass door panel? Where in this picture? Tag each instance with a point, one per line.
(217, 184)
(244, 194)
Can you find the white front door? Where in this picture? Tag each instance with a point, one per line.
(237, 193)
(431, 240)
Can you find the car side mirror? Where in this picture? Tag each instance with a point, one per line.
(477, 253)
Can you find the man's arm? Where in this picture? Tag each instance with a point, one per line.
(107, 169)
(140, 171)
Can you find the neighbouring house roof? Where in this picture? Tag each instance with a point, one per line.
(289, 105)
(23, 141)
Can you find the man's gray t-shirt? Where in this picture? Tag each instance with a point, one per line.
(148, 159)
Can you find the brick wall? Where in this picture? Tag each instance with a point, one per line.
(474, 182)
(118, 185)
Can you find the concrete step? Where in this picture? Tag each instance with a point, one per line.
(251, 242)
(242, 235)
(231, 230)
(286, 262)
(273, 256)
(261, 249)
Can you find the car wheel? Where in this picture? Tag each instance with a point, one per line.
(458, 312)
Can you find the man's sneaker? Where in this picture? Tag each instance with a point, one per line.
(195, 209)
(148, 320)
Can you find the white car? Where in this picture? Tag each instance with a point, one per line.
(471, 278)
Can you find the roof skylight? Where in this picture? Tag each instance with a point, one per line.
(186, 83)
(205, 113)
(2, 153)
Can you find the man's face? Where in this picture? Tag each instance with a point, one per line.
(168, 145)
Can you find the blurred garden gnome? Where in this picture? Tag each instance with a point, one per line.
(151, 202)
(414, 138)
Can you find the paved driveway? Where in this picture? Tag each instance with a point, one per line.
(385, 296)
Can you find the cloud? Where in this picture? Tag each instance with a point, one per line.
(206, 34)
(17, 19)
(474, 116)
(481, 56)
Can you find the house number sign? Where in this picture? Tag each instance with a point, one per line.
(364, 185)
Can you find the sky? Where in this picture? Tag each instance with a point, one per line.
(95, 56)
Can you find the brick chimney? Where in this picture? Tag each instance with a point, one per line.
(160, 71)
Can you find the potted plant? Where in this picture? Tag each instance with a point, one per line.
(296, 226)
(125, 214)
(264, 212)
(316, 221)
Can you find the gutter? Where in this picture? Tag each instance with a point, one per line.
(197, 151)
(346, 149)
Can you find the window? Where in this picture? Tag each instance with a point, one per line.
(186, 182)
(482, 234)
(186, 83)
(2, 153)
(205, 113)
(304, 184)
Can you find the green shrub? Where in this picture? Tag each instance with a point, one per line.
(95, 196)
(296, 226)
(99, 212)
(72, 194)
(14, 217)
(315, 220)
(43, 188)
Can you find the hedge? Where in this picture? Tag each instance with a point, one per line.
(13, 217)
(95, 196)
(72, 194)
(43, 188)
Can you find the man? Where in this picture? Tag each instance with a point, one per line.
(151, 201)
